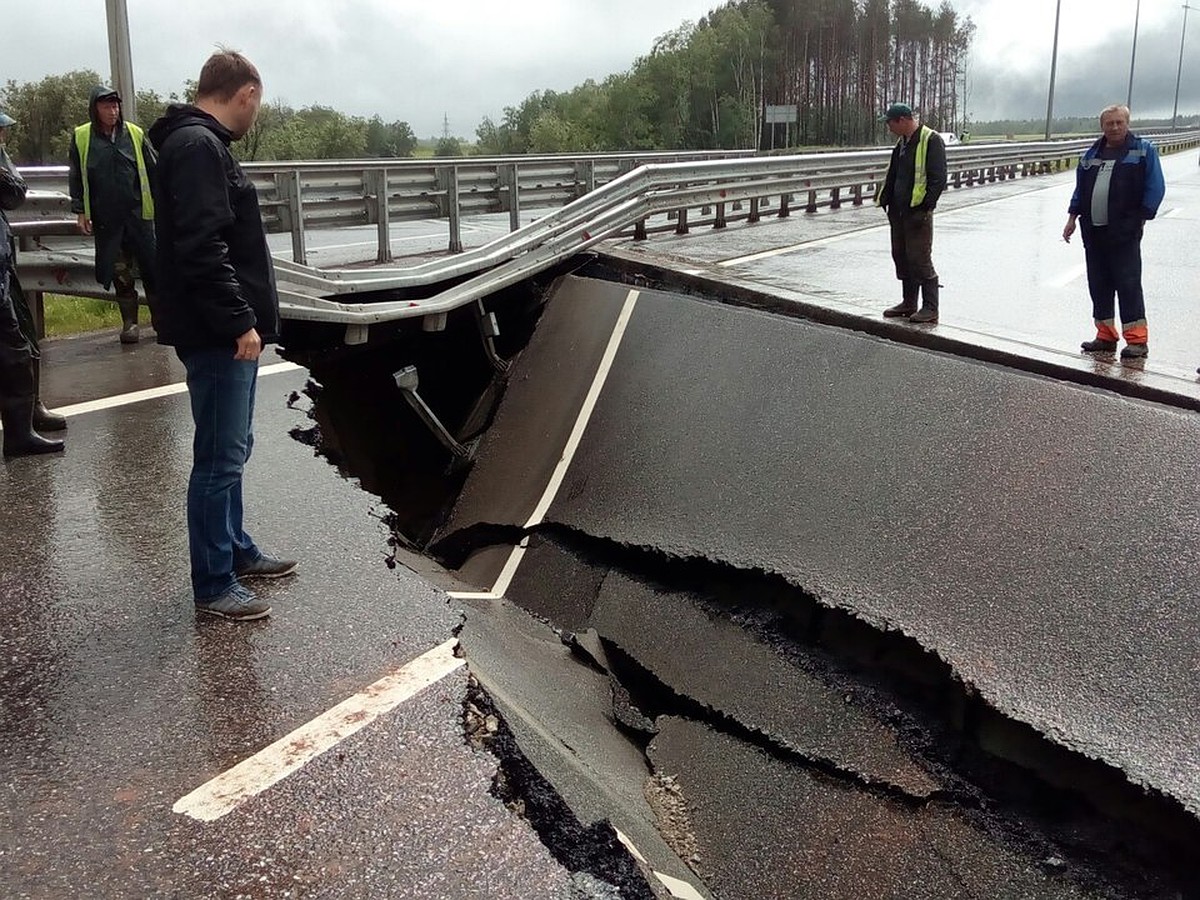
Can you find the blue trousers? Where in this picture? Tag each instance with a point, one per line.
(1114, 269)
(221, 389)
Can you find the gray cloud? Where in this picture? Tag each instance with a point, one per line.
(1092, 78)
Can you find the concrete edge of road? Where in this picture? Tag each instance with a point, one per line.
(1133, 381)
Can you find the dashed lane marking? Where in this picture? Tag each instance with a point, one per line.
(272, 764)
(1067, 277)
(167, 390)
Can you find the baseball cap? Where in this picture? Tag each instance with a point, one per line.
(110, 95)
(897, 111)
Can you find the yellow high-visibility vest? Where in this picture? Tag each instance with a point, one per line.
(83, 139)
(920, 177)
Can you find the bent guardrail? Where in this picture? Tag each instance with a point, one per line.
(721, 189)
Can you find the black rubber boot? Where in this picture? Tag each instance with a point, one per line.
(43, 419)
(908, 305)
(16, 412)
(129, 320)
(928, 313)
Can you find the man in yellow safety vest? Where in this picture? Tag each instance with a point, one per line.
(915, 179)
(111, 165)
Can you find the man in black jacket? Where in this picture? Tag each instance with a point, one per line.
(910, 190)
(217, 306)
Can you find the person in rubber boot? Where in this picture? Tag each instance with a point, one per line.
(18, 395)
(112, 162)
(1118, 188)
(915, 179)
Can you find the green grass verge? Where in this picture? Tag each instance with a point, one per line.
(78, 315)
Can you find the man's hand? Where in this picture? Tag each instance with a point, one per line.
(249, 346)
(1069, 229)
(85, 224)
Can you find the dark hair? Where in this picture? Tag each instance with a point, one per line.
(225, 73)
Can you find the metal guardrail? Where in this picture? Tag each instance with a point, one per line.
(312, 194)
(628, 202)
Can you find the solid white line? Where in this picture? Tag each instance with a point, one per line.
(272, 764)
(510, 568)
(166, 390)
(585, 411)
(674, 886)
(1067, 277)
(780, 251)
(556, 478)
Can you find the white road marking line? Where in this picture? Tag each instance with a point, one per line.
(167, 390)
(674, 886)
(581, 422)
(272, 764)
(780, 251)
(1067, 277)
(585, 411)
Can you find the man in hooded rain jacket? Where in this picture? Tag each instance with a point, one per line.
(112, 163)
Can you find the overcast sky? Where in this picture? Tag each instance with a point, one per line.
(467, 59)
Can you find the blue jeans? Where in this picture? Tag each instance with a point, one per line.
(222, 395)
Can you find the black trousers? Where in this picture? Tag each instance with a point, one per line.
(912, 244)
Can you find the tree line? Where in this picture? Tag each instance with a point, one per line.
(704, 85)
(48, 110)
(707, 84)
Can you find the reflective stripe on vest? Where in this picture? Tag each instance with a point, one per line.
(83, 139)
(920, 176)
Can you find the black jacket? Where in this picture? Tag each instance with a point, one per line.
(12, 195)
(895, 194)
(216, 278)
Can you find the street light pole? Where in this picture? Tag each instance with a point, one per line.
(1133, 54)
(1179, 73)
(1053, 69)
(121, 57)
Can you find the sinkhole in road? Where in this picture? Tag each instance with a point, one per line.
(725, 679)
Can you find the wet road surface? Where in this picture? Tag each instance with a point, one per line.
(675, 668)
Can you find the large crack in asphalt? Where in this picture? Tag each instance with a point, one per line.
(1075, 818)
(593, 849)
(787, 748)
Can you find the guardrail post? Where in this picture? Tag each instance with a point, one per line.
(639, 230)
(754, 215)
(585, 177)
(856, 194)
(287, 184)
(448, 183)
(719, 221)
(383, 214)
(510, 179)
(681, 226)
(835, 198)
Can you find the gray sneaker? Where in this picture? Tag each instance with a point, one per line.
(266, 567)
(237, 603)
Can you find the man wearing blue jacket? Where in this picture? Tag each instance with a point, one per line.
(1118, 186)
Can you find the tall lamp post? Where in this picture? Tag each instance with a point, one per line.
(120, 56)
(1133, 54)
(1179, 73)
(1053, 69)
